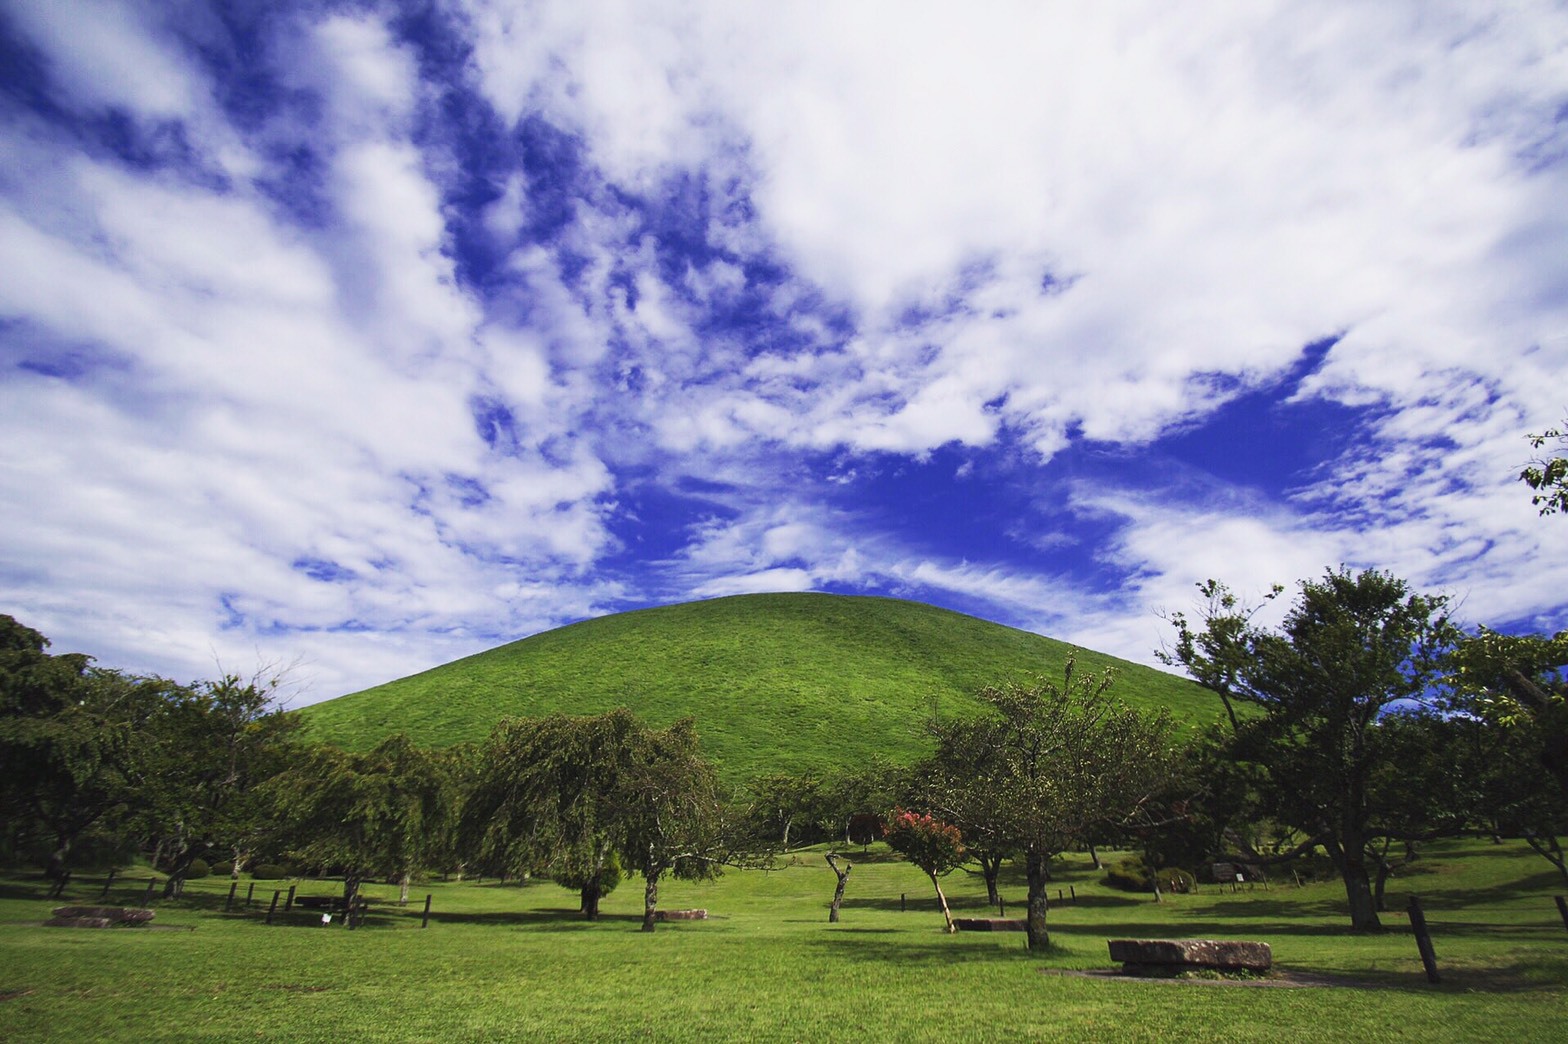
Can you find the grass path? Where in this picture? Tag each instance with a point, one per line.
(511, 962)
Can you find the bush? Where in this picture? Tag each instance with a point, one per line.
(1134, 875)
(268, 872)
(223, 869)
(198, 869)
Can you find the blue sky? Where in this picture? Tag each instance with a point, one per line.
(364, 336)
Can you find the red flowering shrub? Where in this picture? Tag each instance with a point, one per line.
(932, 845)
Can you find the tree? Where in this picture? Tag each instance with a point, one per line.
(1067, 759)
(573, 796)
(210, 747)
(969, 753)
(1548, 476)
(670, 817)
(932, 845)
(544, 797)
(1515, 687)
(1353, 647)
(380, 814)
(73, 740)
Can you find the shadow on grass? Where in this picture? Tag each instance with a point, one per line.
(939, 949)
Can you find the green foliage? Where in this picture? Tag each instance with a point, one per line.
(1548, 476)
(268, 872)
(795, 683)
(197, 869)
(1353, 648)
(578, 879)
(1052, 765)
(380, 814)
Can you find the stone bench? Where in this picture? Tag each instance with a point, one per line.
(1174, 956)
(96, 916)
(680, 915)
(989, 924)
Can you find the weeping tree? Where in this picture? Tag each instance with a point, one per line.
(670, 817)
(544, 799)
(382, 814)
(1067, 761)
(581, 797)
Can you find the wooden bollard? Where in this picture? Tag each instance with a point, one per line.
(274, 907)
(424, 922)
(250, 893)
(1072, 892)
(234, 886)
(1423, 940)
(289, 903)
(902, 905)
(1001, 907)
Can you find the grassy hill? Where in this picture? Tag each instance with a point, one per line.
(776, 682)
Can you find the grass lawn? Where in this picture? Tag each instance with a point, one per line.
(509, 961)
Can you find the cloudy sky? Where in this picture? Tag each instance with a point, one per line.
(370, 335)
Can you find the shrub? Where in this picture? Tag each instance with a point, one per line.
(198, 869)
(223, 869)
(1134, 875)
(268, 872)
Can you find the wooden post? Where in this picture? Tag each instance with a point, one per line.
(1423, 940)
(234, 886)
(1562, 908)
(1072, 892)
(903, 905)
(274, 907)
(105, 893)
(1058, 895)
(147, 895)
(289, 904)
(1156, 890)
(250, 893)
(424, 922)
(1001, 907)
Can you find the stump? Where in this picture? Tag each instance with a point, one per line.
(1175, 956)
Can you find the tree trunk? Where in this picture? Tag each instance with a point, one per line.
(650, 900)
(1350, 860)
(402, 895)
(947, 916)
(590, 897)
(1039, 901)
(838, 891)
(991, 869)
(1095, 857)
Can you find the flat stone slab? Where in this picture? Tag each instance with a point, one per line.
(90, 916)
(989, 924)
(1186, 954)
(680, 915)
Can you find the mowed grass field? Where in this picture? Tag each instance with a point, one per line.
(509, 961)
(776, 682)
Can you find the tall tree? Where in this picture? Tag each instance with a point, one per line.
(210, 747)
(1516, 688)
(1068, 760)
(1353, 647)
(73, 744)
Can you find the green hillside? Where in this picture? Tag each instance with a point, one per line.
(776, 682)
